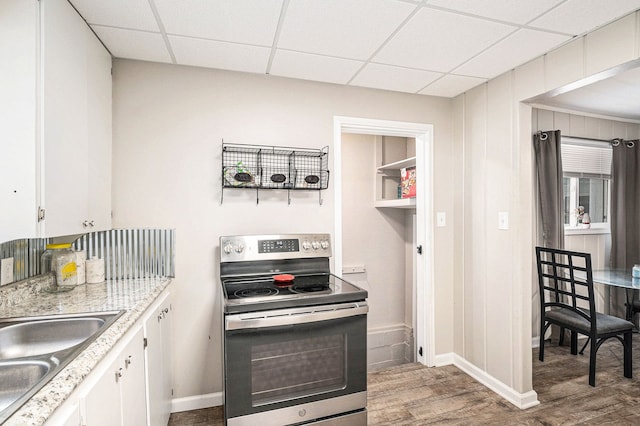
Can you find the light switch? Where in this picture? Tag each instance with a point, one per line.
(441, 219)
(6, 271)
(503, 220)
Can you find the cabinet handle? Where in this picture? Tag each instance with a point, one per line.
(88, 224)
(127, 361)
(118, 374)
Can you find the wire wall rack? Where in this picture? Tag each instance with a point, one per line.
(273, 167)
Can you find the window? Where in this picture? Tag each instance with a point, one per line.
(586, 175)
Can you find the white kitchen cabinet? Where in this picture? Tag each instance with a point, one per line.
(55, 117)
(76, 124)
(118, 396)
(18, 73)
(157, 326)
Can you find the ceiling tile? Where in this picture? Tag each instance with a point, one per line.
(579, 16)
(133, 44)
(516, 11)
(394, 78)
(515, 50)
(451, 85)
(247, 21)
(131, 14)
(348, 29)
(439, 41)
(222, 55)
(313, 67)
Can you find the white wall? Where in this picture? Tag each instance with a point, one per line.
(494, 133)
(169, 122)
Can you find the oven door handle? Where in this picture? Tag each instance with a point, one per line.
(283, 317)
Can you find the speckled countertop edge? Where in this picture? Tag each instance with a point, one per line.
(134, 296)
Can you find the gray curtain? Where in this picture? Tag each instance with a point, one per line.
(625, 205)
(549, 170)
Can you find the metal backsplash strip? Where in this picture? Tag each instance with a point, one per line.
(132, 253)
(26, 256)
(128, 253)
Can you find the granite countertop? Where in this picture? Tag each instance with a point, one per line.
(134, 296)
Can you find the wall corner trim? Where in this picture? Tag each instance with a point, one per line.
(520, 400)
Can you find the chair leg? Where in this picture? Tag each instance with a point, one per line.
(574, 343)
(561, 339)
(541, 351)
(584, 346)
(592, 362)
(628, 355)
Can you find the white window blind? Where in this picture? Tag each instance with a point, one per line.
(591, 160)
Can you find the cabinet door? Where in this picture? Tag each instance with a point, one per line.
(76, 123)
(99, 127)
(18, 25)
(64, 133)
(158, 362)
(118, 397)
(132, 383)
(102, 404)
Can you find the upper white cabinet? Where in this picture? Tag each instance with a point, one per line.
(18, 75)
(76, 123)
(55, 116)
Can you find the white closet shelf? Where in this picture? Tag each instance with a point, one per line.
(407, 162)
(400, 203)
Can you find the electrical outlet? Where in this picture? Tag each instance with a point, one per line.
(6, 271)
(503, 220)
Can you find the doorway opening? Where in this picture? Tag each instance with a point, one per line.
(387, 250)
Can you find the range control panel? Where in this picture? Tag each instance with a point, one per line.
(264, 247)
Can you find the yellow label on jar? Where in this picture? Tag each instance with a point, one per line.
(68, 270)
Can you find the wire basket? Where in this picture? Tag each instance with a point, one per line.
(263, 167)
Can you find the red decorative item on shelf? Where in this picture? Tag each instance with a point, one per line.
(408, 182)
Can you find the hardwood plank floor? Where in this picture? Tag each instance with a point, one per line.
(412, 394)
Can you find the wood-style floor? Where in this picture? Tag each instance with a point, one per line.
(412, 394)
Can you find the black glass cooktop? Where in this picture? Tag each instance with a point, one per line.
(263, 292)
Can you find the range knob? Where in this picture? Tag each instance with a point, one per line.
(239, 248)
(324, 244)
(315, 245)
(306, 245)
(228, 248)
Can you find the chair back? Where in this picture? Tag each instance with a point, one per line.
(566, 282)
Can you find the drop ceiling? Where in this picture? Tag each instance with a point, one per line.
(430, 47)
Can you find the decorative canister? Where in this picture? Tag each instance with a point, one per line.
(81, 257)
(94, 270)
(60, 259)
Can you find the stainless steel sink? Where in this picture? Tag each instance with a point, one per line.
(37, 337)
(17, 377)
(34, 349)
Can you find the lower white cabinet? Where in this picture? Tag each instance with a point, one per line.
(118, 397)
(131, 386)
(157, 328)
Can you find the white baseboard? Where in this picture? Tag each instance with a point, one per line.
(520, 400)
(196, 402)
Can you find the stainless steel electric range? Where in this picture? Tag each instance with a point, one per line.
(295, 335)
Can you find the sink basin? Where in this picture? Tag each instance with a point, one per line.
(37, 337)
(34, 349)
(18, 377)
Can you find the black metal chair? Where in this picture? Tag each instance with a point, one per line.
(567, 300)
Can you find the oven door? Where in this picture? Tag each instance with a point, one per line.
(295, 365)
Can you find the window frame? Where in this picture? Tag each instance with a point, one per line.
(595, 227)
